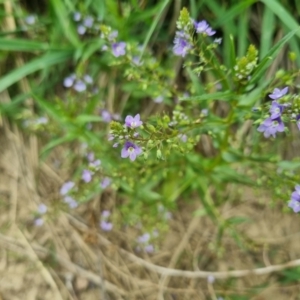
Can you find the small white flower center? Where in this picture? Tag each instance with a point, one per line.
(130, 149)
(275, 124)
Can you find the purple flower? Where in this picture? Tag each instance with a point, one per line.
(81, 29)
(39, 222)
(278, 93)
(79, 86)
(105, 214)
(88, 79)
(105, 182)
(203, 27)
(88, 21)
(183, 137)
(42, 209)
(118, 49)
(204, 112)
(137, 61)
(133, 122)
(143, 239)
(71, 202)
(66, 187)
(294, 204)
(210, 279)
(112, 36)
(69, 81)
(41, 120)
(271, 126)
(76, 16)
(95, 164)
(106, 116)
(104, 48)
(158, 99)
(296, 193)
(106, 226)
(110, 137)
(209, 31)
(30, 20)
(276, 110)
(149, 248)
(181, 44)
(86, 175)
(131, 150)
(90, 156)
(298, 121)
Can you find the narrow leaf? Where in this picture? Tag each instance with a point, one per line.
(40, 63)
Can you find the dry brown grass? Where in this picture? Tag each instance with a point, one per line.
(70, 258)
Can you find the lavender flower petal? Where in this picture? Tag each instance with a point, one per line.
(42, 208)
(119, 49)
(278, 93)
(86, 176)
(106, 226)
(66, 187)
(38, 222)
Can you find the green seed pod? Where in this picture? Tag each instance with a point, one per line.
(151, 128)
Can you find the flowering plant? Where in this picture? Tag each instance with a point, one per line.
(145, 119)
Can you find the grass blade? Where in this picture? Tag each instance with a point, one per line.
(154, 24)
(64, 22)
(40, 63)
(22, 45)
(266, 61)
(214, 96)
(268, 26)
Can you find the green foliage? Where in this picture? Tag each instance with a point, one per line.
(193, 138)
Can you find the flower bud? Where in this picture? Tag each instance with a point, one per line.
(158, 154)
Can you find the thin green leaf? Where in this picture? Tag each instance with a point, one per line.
(285, 17)
(100, 7)
(56, 142)
(250, 99)
(266, 61)
(154, 24)
(224, 173)
(268, 27)
(7, 44)
(195, 80)
(242, 38)
(232, 55)
(233, 12)
(64, 22)
(40, 63)
(91, 48)
(82, 119)
(288, 165)
(223, 96)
